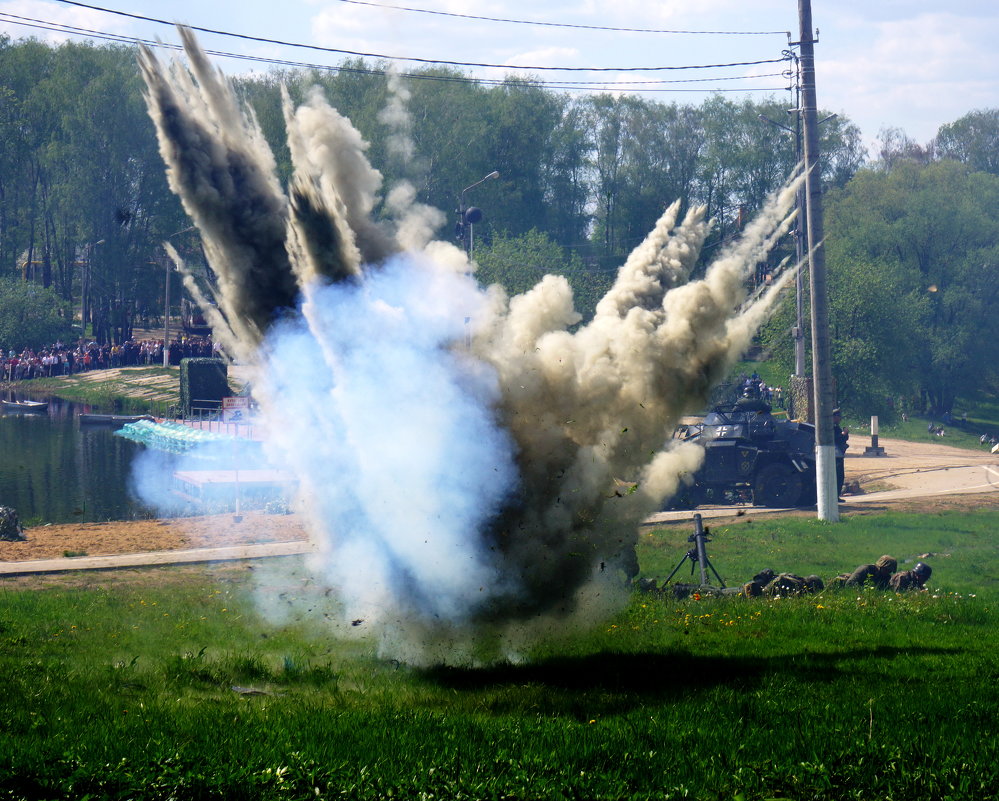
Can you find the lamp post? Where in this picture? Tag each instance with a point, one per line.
(166, 300)
(467, 217)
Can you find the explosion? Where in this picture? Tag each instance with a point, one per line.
(469, 463)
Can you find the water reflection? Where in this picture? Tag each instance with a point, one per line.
(53, 470)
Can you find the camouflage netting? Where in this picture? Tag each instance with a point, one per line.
(203, 383)
(11, 529)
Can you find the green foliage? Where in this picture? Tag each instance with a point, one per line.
(81, 167)
(87, 203)
(169, 684)
(518, 263)
(913, 277)
(917, 248)
(31, 316)
(973, 140)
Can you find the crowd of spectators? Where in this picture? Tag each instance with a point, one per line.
(60, 359)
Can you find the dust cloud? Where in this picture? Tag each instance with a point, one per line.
(473, 466)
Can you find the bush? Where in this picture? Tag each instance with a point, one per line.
(32, 316)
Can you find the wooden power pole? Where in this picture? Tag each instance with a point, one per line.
(825, 448)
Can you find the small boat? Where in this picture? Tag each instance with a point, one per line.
(112, 419)
(25, 406)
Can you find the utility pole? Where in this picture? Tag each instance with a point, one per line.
(166, 317)
(166, 301)
(800, 236)
(825, 448)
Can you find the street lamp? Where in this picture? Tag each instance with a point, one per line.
(468, 216)
(166, 300)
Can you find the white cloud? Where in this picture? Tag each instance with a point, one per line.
(57, 13)
(880, 79)
(546, 57)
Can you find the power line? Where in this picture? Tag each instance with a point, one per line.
(382, 56)
(59, 27)
(627, 86)
(564, 24)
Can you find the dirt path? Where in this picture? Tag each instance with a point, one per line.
(138, 536)
(920, 469)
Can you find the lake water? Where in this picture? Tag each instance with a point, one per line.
(55, 470)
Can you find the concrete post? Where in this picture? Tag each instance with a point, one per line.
(874, 449)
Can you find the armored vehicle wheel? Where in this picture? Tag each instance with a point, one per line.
(809, 495)
(777, 485)
(685, 498)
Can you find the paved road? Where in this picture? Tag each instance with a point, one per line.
(155, 558)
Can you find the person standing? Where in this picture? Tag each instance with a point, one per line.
(841, 438)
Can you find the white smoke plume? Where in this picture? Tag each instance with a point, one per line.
(471, 466)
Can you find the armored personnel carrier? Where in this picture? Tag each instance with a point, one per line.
(749, 456)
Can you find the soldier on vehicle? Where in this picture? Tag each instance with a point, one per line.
(751, 401)
(914, 579)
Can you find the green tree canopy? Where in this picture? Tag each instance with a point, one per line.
(913, 262)
(973, 139)
(31, 316)
(517, 263)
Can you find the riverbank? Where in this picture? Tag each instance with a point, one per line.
(150, 389)
(134, 390)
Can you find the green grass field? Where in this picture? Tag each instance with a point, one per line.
(168, 684)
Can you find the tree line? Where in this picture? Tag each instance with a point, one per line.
(913, 281)
(85, 207)
(84, 203)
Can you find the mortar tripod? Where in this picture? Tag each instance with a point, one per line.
(698, 555)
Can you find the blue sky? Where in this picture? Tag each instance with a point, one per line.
(909, 64)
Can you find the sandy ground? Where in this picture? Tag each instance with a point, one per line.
(928, 470)
(138, 536)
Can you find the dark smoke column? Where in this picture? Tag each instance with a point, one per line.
(237, 206)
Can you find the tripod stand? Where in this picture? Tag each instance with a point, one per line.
(698, 555)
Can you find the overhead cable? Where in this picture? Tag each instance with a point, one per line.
(525, 68)
(620, 86)
(563, 24)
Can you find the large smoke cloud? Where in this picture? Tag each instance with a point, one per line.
(468, 462)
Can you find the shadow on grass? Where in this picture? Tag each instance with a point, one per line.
(660, 675)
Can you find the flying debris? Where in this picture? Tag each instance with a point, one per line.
(457, 477)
